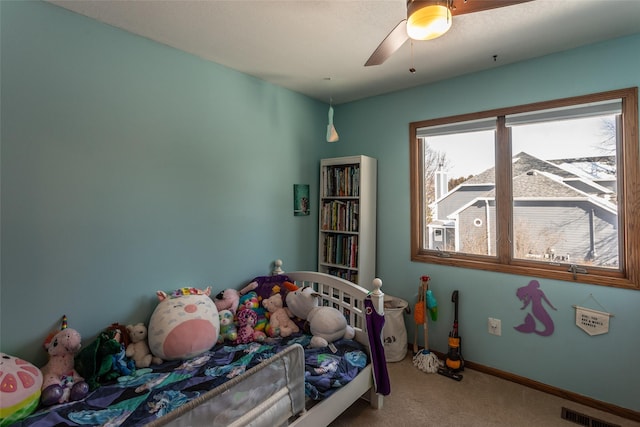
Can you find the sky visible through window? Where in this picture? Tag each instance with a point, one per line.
(470, 154)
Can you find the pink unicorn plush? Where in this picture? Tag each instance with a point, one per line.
(61, 382)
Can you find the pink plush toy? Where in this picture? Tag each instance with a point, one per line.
(280, 323)
(230, 298)
(184, 324)
(61, 382)
(251, 301)
(247, 319)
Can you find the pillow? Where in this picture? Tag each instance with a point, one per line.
(184, 324)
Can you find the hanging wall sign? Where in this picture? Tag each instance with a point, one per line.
(591, 321)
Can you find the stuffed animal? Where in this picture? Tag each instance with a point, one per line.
(184, 324)
(230, 298)
(61, 382)
(95, 361)
(138, 349)
(121, 365)
(280, 323)
(20, 385)
(247, 319)
(269, 285)
(326, 324)
(228, 330)
(251, 300)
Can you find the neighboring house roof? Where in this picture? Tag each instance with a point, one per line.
(590, 187)
(522, 163)
(486, 177)
(595, 168)
(536, 185)
(535, 179)
(594, 175)
(584, 171)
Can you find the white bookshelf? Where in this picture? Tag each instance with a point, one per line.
(347, 219)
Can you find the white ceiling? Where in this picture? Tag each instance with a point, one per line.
(319, 48)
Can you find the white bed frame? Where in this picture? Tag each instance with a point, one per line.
(286, 407)
(349, 299)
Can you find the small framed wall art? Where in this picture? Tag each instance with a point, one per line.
(301, 199)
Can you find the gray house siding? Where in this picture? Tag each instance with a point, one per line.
(562, 231)
(454, 200)
(567, 230)
(477, 233)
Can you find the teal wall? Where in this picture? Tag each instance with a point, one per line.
(129, 167)
(602, 367)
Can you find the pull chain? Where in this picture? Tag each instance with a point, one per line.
(412, 69)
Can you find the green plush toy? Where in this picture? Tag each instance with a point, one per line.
(95, 362)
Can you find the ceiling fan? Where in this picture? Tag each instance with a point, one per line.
(427, 20)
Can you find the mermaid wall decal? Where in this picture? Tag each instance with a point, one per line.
(533, 295)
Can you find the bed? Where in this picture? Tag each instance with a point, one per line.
(272, 383)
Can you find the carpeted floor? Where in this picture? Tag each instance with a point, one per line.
(479, 400)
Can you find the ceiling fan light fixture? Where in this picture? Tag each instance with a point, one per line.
(427, 20)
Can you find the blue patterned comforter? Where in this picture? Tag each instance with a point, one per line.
(151, 393)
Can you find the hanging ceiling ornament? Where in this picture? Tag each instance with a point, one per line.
(332, 133)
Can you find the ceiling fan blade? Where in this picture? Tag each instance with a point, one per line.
(398, 35)
(460, 7)
(389, 45)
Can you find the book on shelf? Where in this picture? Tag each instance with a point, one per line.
(341, 181)
(340, 215)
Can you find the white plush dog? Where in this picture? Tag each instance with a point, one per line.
(327, 324)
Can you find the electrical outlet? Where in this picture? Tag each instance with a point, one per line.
(495, 326)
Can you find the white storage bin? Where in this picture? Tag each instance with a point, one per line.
(394, 333)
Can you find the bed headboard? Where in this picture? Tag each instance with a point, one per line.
(341, 294)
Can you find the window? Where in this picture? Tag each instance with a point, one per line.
(549, 189)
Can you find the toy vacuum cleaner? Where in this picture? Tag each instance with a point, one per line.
(453, 363)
